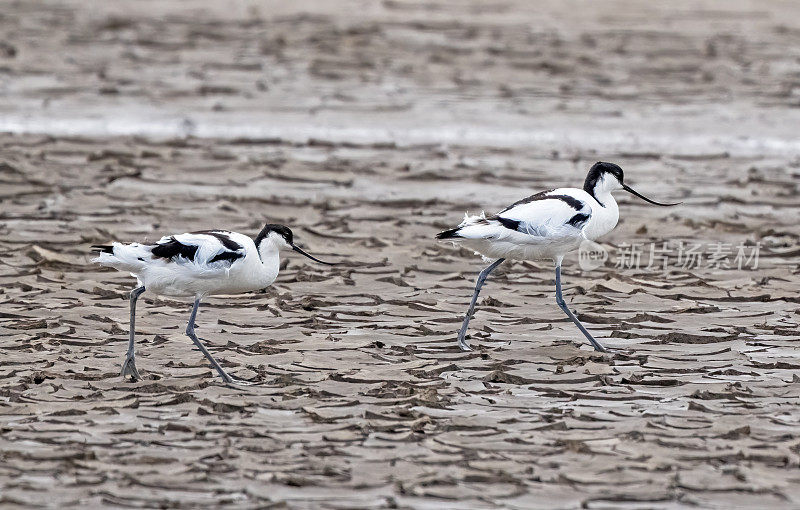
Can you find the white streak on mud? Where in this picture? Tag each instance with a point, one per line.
(684, 137)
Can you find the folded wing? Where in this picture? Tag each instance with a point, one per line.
(209, 249)
(548, 214)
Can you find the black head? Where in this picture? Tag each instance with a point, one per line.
(606, 177)
(598, 171)
(281, 230)
(288, 237)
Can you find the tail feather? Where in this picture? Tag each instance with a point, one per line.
(103, 248)
(473, 227)
(449, 234)
(124, 257)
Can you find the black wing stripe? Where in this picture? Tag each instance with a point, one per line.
(570, 201)
(226, 241)
(579, 220)
(508, 223)
(545, 195)
(174, 248)
(228, 256)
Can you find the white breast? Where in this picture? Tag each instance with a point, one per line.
(604, 217)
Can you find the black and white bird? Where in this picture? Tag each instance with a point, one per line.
(547, 225)
(199, 264)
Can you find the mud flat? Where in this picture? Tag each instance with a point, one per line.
(368, 128)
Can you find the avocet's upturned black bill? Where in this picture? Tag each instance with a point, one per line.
(199, 264)
(315, 259)
(637, 194)
(549, 224)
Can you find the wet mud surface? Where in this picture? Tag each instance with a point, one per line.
(361, 397)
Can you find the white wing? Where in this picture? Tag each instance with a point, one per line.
(553, 214)
(205, 253)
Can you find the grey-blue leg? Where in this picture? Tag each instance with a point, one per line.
(190, 333)
(129, 366)
(563, 306)
(478, 284)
